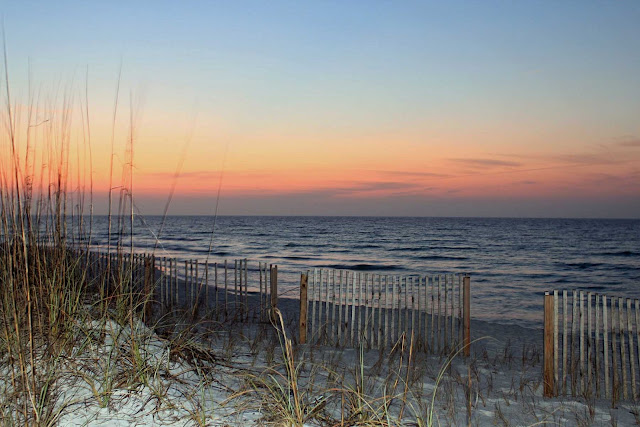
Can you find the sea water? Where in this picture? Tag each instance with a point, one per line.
(512, 262)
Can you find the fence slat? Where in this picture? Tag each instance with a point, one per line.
(605, 341)
(564, 342)
(405, 309)
(334, 304)
(439, 325)
(314, 319)
(632, 357)
(615, 387)
(215, 291)
(273, 279)
(388, 312)
(467, 316)
(452, 314)
(582, 342)
(353, 307)
(446, 314)
(589, 346)
(421, 312)
(637, 311)
(575, 319)
(597, 346)
(366, 310)
(623, 349)
(340, 311)
(393, 310)
(426, 314)
(325, 323)
(433, 314)
(555, 342)
(322, 336)
(380, 314)
(460, 281)
(226, 289)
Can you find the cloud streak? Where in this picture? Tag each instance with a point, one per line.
(630, 143)
(413, 174)
(483, 163)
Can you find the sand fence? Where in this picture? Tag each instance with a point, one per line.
(337, 307)
(350, 309)
(591, 345)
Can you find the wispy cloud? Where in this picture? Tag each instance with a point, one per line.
(413, 174)
(368, 188)
(618, 180)
(586, 159)
(630, 143)
(604, 155)
(192, 174)
(378, 186)
(482, 163)
(206, 175)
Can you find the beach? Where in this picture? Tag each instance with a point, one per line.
(198, 372)
(499, 386)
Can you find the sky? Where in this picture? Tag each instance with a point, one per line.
(492, 108)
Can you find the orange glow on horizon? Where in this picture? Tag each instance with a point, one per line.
(444, 163)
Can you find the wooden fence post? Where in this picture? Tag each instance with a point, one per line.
(274, 290)
(467, 315)
(548, 377)
(304, 278)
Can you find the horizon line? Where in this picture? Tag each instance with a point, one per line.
(376, 216)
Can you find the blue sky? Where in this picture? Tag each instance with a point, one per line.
(296, 90)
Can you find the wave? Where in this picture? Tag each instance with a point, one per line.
(583, 265)
(620, 253)
(432, 249)
(367, 246)
(362, 267)
(406, 249)
(294, 245)
(452, 248)
(305, 245)
(441, 257)
(206, 251)
(185, 239)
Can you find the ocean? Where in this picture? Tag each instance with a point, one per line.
(512, 262)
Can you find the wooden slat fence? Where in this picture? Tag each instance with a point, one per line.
(223, 291)
(592, 345)
(119, 269)
(350, 308)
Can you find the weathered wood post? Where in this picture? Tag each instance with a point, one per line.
(274, 290)
(548, 377)
(304, 279)
(467, 315)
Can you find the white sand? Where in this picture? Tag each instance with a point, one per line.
(505, 388)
